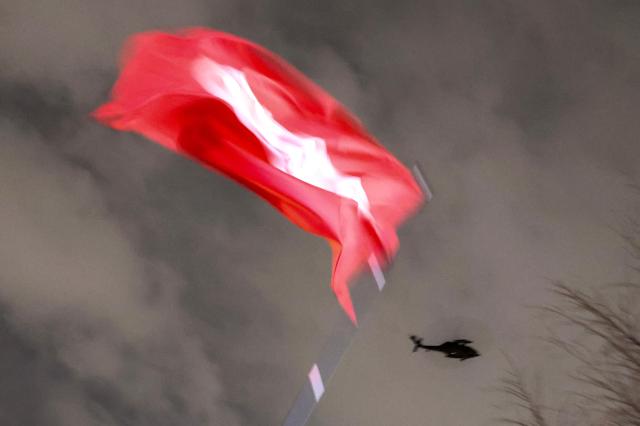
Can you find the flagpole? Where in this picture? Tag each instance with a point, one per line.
(321, 372)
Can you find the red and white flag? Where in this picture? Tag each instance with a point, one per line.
(241, 110)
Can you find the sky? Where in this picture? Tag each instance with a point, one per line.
(138, 288)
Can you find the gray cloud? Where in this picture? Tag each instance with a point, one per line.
(74, 282)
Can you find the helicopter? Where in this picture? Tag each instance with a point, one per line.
(458, 349)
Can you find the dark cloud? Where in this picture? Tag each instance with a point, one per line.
(21, 366)
(43, 107)
(140, 289)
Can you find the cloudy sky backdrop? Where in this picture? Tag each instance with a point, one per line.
(137, 288)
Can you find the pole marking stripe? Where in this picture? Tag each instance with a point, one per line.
(376, 271)
(316, 382)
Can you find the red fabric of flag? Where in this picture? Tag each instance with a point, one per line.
(241, 110)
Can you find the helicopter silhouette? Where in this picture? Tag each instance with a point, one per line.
(453, 349)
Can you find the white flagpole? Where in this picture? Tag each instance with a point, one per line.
(337, 344)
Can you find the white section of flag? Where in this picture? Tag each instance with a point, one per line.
(302, 156)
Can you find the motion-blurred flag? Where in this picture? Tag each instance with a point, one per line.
(241, 110)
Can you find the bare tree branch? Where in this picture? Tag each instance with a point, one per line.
(513, 386)
(607, 347)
